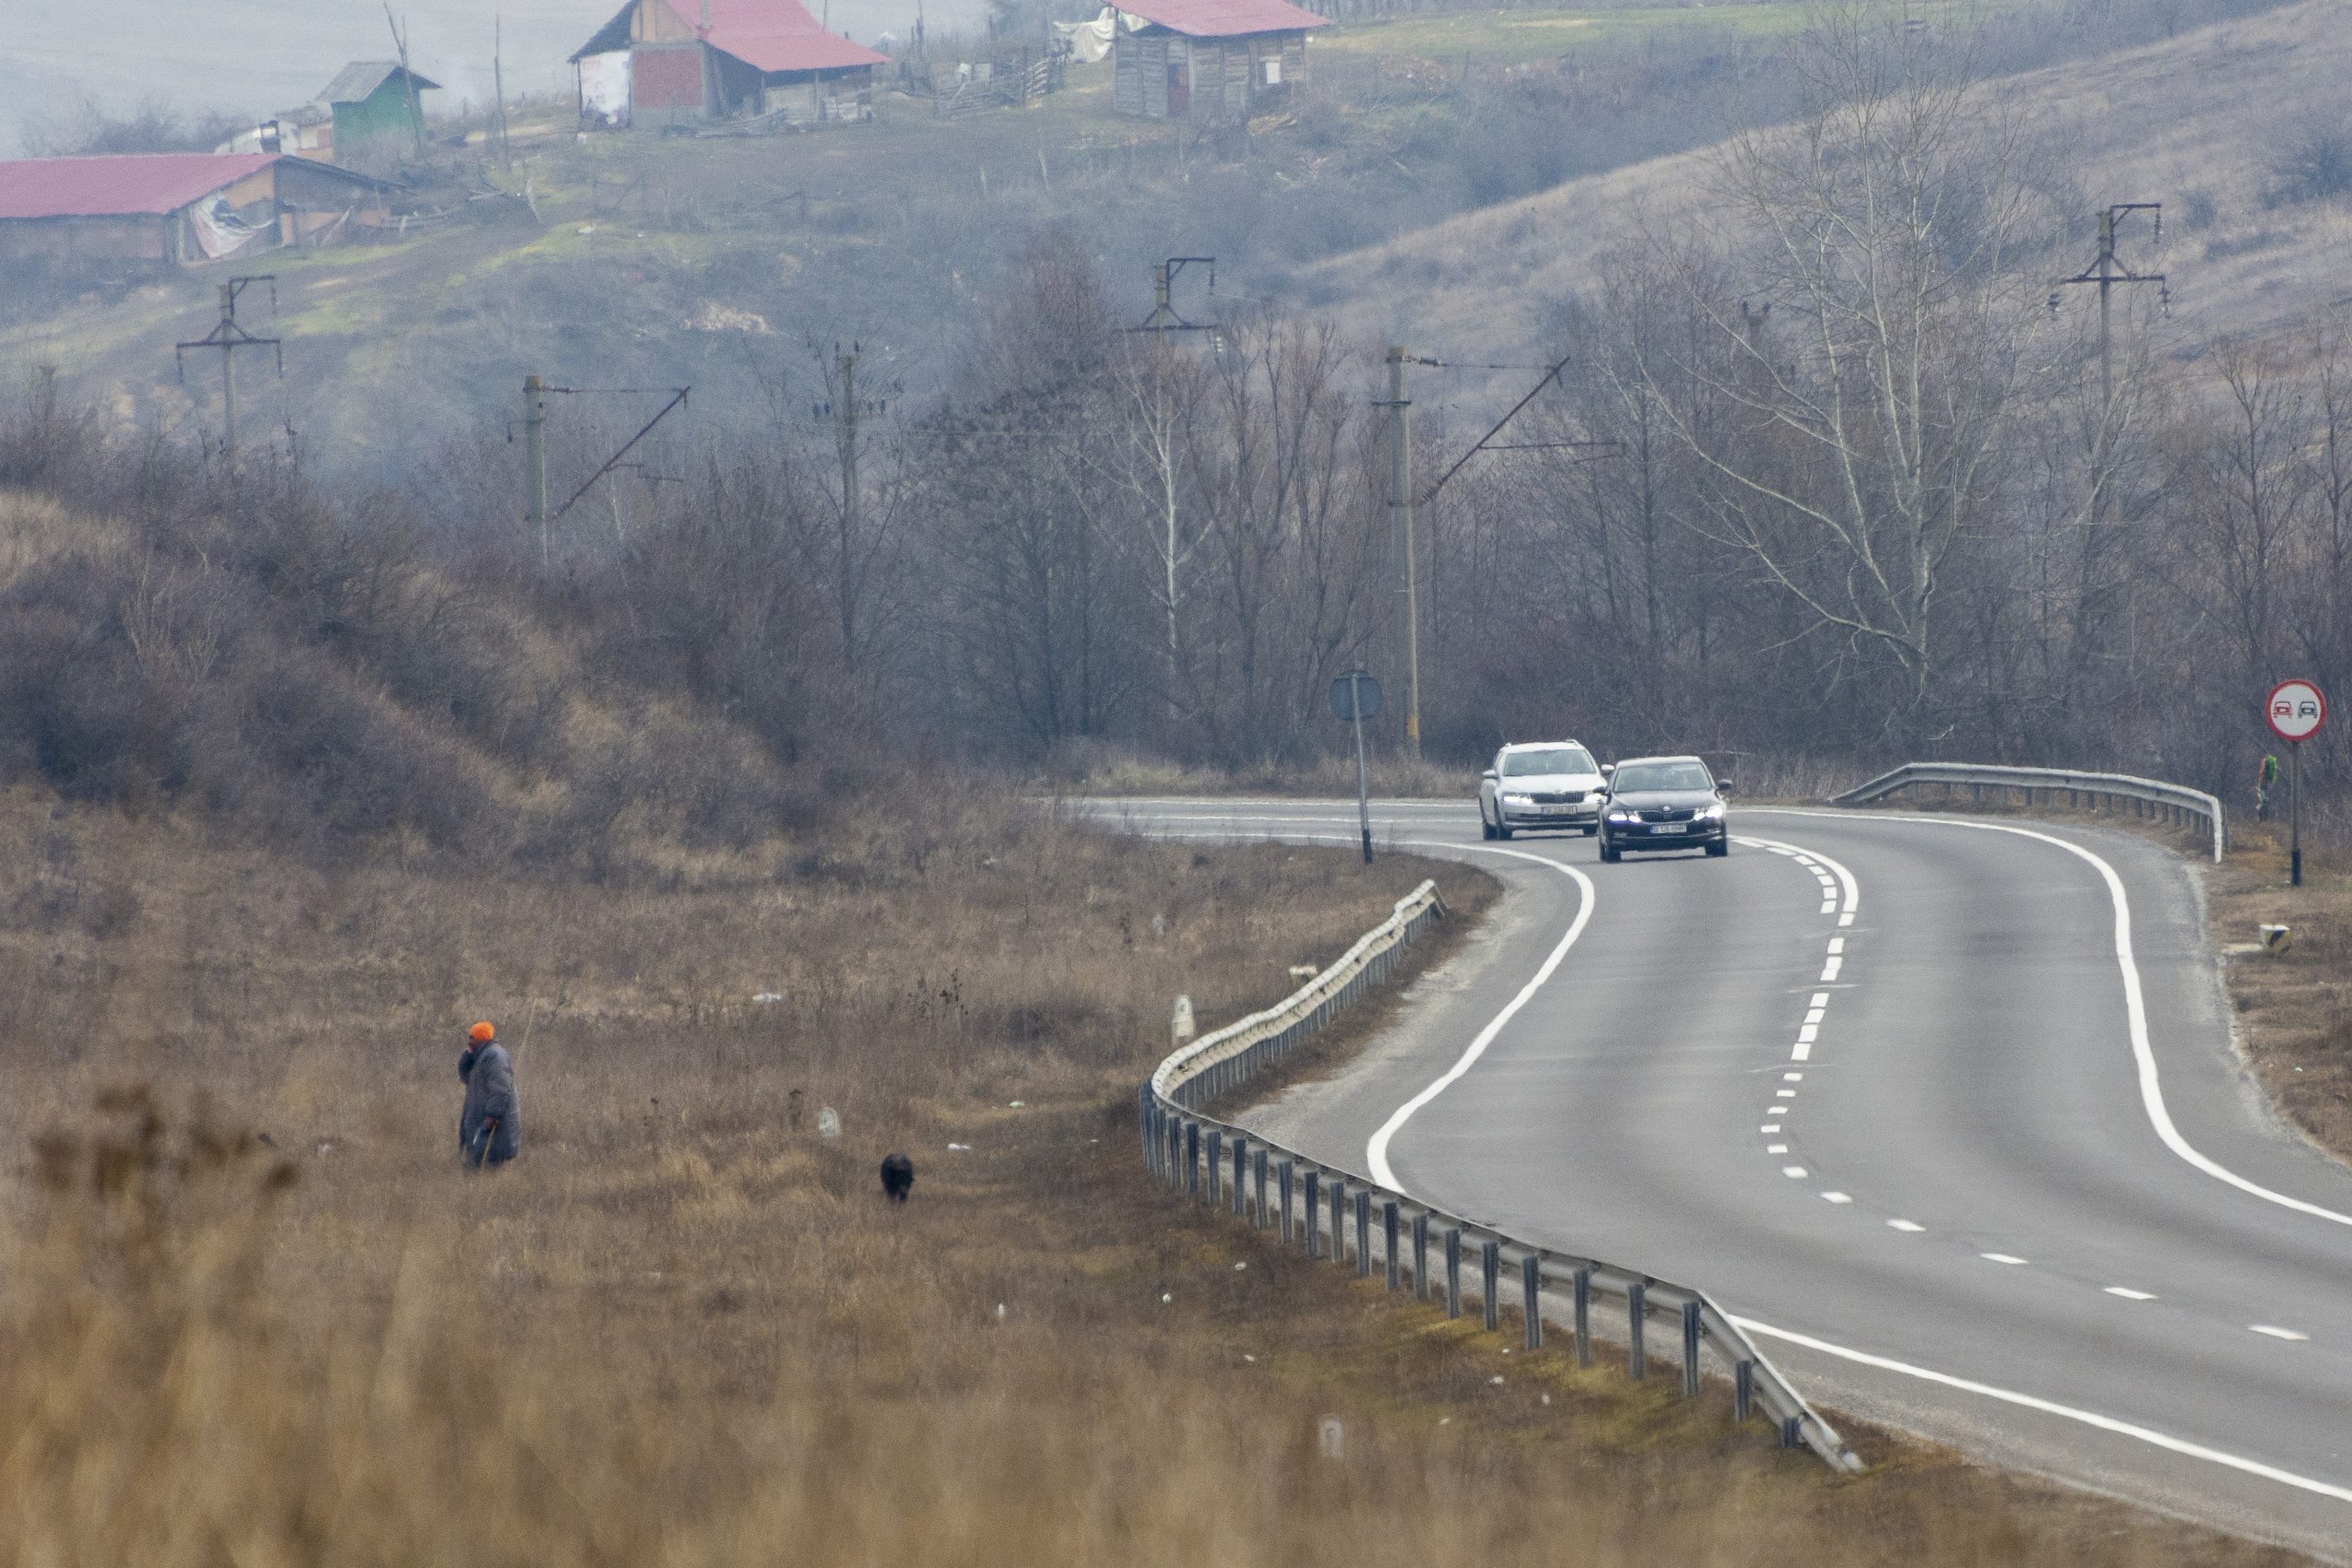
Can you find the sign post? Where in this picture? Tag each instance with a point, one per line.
(1355, 696)
(2295, 710)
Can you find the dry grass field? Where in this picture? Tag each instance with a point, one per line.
(257, 1315)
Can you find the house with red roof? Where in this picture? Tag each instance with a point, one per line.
(183, 207)
(1208, 60)
(659, 63)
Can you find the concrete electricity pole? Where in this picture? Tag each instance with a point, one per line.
(535, 465)
(229, 337)
(1400, 541)
(2107, 271)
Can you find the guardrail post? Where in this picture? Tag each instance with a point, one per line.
(1531, 1299)
(1421, 1257)
(1452, 1273)
(1689, 1349)
(1262, 1217)
(1288, 1177)
(1388, 1237)
(1338, 1221)
(1792, 1431)
(1143, 1124)
(1192, 1156)
(1584, 1317)
(1742, 1389)
(1175, 1142)
(1217, 1167)
(1364, 1233)
(1490, 1275)
(1637, 1361)
(1240, 1200)
(1314, 1211)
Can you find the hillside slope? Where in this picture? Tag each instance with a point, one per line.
(2191, 122)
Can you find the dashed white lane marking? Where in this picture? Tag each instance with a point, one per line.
(1837, 945)
(2051, 1407)
(2275, 1332)
(1816, 1015)
(1776, 1148)
(1836, 1198)
(1829, 970)
(2129, 1294)
(1785, 1077)
(1793, 1172)
(2135, 1011)
(1806, 1033)
(1828, 906)
(1779, 1093)
(2000, 1258)
(1820, 1000)
(1801, 1052)
(1908, 1226)
(1769, 1127)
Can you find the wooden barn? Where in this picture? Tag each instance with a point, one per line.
(1208, 60)
(659, 63)
(177, 207)
(372, 112)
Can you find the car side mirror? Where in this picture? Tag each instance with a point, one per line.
(1488, 775)
(1723, 788)
(1608, 768)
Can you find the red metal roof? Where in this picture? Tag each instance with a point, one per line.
(1224, 19)
(109, 185)
(774, 35)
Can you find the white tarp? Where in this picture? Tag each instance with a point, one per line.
(1089, 42)
(603, 87)
(219, 231)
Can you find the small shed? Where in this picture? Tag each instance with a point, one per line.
(365, 114)
(377, 106)
(659, 63)
(1208, 60)
(168, 207)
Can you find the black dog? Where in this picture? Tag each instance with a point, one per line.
(898, 1177)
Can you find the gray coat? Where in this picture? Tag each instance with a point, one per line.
(488, 1074)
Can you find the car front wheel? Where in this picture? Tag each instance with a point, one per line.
(1609, 852)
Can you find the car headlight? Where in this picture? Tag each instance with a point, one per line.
(1519, 799)
(1711, 813)
(1624, 816)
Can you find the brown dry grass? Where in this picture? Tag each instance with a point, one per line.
(681, 1331)
(2294, 1012)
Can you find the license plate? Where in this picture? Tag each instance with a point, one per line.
(1555, 810)
(1671, 828)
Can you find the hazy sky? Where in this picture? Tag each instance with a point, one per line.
(261, 55)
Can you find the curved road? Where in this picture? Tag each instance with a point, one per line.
(1874, 1082)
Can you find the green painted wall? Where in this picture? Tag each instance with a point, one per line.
(381, 121)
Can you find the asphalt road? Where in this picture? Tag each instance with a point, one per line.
(1874, 1081)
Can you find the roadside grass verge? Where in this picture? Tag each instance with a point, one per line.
(2294, 1010)
(684, 1329)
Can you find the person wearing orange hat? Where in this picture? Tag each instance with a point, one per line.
(489, 1126)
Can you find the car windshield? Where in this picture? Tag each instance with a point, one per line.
(1551, 759)
(1662, 776)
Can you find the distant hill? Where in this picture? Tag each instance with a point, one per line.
(258, 55)
(2194, 123)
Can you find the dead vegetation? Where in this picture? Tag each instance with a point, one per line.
(260, 1315)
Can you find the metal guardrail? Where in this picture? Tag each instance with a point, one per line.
(1316, 1206)
(2149, 797)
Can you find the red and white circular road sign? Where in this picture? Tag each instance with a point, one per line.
(2295, 710)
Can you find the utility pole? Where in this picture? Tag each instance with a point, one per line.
(535, 465)
(229, 337)
(1400, 540)
(2108, 271)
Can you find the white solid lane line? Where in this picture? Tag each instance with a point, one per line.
(1377, 1151)
(2135, 1011)
(2051, 1407)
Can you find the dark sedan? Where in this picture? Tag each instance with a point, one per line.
(1663, 803)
